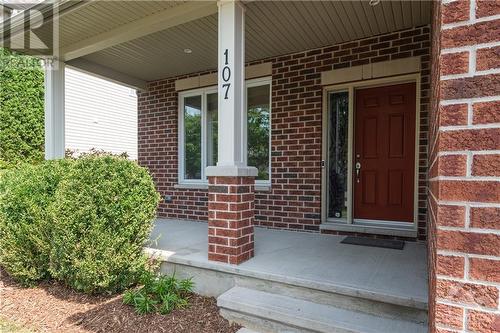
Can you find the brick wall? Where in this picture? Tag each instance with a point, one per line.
(464, 159)
(294, 199)
(231, 219)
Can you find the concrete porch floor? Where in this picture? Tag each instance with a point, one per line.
(306, 259)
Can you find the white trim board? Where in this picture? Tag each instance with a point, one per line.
(371, 71)
(200, 81)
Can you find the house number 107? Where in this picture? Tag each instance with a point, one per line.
(226, 75)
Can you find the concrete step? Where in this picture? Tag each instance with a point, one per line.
(377, 306)
(270, 312)
(246, 330)
(214, 282)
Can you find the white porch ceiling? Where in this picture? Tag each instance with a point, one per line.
(272, 28)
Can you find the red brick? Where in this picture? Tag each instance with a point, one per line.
(483, 322)
(450, 266)
(452, 165)
(485, 270)
(229, 250)
(478, 33)
(469, 242)
(453, 115)
(455, 11)
(451, 216)
(468, 293)
(485, 217)
(488, 58)
(443, 330)
(218, 240)
(454, 63)
(470, 139)
(233, 233)
(486, 112)
(226, 215)
(450, 316)
(218, 223)
(471, 87)
(487, 8)
(218, 257)
(212, 205)
(476, 191)
(486, 165)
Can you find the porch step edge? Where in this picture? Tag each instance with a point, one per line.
(378, 230)
(301, 315)
(354, 291)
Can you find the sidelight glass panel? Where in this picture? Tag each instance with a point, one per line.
(337, 154)
(192, 137)
(212, 128)
(258, 108)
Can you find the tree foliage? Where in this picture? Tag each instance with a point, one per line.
(21, 109)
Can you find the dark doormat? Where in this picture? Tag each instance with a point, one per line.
(365, 241)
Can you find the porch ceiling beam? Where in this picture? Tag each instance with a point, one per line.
(165, 19)
(17, 23)
(107, 73)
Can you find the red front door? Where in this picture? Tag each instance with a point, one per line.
(384, 153)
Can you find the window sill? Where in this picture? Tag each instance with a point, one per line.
(192, 186)
(262, 187)
(258, 187)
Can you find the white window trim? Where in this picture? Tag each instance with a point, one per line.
(195, 183)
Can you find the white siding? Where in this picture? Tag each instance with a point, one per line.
(100, 114)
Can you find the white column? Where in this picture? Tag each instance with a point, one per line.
(54, 109)
(231, 92)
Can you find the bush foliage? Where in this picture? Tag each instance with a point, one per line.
(102, 213)
(25, 228)
(83, 222)
(21, 109)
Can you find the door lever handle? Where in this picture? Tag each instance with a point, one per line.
(358, 169)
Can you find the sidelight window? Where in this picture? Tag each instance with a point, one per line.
(338, 122)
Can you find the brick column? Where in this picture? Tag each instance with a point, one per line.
(230, 219)
(464, 173)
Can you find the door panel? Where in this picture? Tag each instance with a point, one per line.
(384, 147)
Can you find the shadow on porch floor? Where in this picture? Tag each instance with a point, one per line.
(305, 259)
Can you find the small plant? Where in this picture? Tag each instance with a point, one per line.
(160, 294)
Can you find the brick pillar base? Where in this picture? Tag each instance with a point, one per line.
(230, 219)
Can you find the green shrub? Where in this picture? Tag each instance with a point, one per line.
(102, 214)
(159, 294)
(25, 193)
(21, 109)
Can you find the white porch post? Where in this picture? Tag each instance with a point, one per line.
(54, 109)
(231, 92)
(231, 182)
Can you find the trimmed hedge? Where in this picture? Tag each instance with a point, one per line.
(91, 218)
(21, 109)
(102, 215)
(25, 194)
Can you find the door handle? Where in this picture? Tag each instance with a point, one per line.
(358, 169)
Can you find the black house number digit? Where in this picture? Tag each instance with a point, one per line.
(226, 74)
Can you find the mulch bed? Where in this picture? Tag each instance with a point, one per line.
(51, 307)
